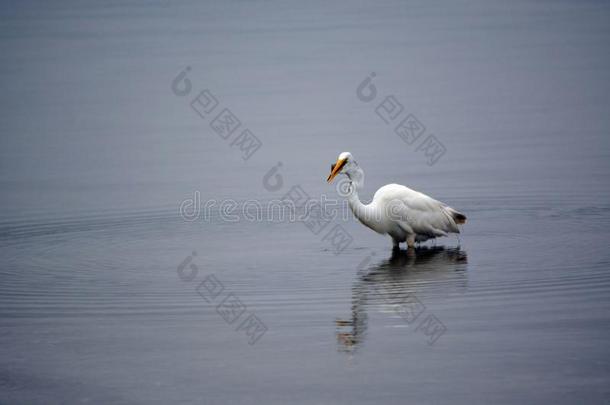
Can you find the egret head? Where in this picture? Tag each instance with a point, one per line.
(344, 163)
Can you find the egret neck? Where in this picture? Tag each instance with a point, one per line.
(363, 212)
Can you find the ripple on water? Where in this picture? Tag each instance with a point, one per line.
(90, 266)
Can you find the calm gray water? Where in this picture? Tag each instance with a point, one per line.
(101, 297)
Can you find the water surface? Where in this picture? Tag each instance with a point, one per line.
(97, 153)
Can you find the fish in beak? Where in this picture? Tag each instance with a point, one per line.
(335, 169)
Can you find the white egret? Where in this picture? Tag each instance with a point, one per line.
(404, 214)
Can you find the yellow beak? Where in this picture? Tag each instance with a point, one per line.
(335, 169)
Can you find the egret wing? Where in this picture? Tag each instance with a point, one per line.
(416, 212)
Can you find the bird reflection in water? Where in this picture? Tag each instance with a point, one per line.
(393, 281)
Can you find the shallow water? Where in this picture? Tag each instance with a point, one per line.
(97, 153)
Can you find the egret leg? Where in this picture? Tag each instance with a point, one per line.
(395, 244)
(411, 241)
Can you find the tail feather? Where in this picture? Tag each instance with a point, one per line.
(458, 217)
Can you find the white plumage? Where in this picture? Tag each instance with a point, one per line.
(404, 214)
